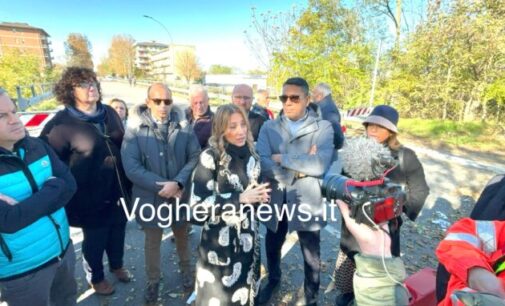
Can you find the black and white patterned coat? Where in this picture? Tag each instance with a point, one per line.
(228, 255)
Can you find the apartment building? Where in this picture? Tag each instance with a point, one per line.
(27, 39)
(163, 62)
(144, 52)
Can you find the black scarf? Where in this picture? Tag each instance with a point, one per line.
(240, 158)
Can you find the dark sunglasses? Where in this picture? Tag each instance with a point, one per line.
(165, 101)
(293, 98)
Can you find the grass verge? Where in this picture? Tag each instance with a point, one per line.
(470, 137)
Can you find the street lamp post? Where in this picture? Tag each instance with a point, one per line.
(161, 24)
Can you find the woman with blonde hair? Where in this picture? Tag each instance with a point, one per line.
(225, 189)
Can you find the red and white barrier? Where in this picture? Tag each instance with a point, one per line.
(358, 112)
(35, 121)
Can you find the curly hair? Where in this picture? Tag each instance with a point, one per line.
(71, 77)
(219, 126)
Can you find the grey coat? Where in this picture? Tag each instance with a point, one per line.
(275, 138)
(148, 158)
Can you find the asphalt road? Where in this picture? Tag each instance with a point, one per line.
(453, 185)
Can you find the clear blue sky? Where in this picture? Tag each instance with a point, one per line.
(214, 27)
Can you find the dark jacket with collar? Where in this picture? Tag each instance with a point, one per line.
(149, 157)
(296, 180)
(95, 161)
(201, 126)
(262, 111)
(256, 122)
(330, 112)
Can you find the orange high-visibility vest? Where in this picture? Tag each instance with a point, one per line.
(468, 244)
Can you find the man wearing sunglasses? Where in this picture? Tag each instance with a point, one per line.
(159, 153)
(242, 96)
(295, 150)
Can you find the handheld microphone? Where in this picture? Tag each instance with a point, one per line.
(371, 198)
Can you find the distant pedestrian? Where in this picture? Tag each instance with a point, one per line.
(87, 136)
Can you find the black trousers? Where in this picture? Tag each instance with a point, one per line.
(310, 245)
(108, 239)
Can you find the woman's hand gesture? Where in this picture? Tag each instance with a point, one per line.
(255, 193)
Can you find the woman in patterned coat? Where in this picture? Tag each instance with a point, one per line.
(224, 192)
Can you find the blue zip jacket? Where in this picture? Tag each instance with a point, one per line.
(34, 232)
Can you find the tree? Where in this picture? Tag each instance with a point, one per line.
(327, 44)
(78, 51)
(186, 65)
(451, 66)
(220, 69)
(268, 33)
(19, 68)
(104, 68)
(256, 72)
(121, 58)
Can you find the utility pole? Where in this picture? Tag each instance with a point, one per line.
(374, 76)
(162, 25)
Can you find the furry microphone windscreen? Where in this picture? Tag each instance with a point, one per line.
(358, 155)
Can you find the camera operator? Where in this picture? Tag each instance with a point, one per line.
(379, 276)
(381, 125)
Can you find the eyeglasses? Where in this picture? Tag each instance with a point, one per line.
(87, 85)
(167, 102)
(293, 98)
(245, 98)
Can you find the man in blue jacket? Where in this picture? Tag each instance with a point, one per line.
(37, 257)
(321, 95)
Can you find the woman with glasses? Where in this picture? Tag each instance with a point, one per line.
(87, 136)
(225, 183)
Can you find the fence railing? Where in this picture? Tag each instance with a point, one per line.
(30, 95)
